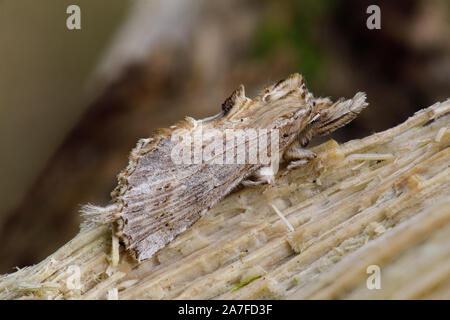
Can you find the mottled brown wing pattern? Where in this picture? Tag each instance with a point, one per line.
(162, 198)
(157, 198)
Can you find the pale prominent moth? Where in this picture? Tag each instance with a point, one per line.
(158, 196)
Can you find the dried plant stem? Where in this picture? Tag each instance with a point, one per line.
(349, 209)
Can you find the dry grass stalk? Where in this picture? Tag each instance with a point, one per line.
(382, 200)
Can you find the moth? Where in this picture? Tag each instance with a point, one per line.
(158, 197)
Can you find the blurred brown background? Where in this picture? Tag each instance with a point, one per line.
(74, 103)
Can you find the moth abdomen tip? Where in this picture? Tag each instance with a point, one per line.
(99, 215)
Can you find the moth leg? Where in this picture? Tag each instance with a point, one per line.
(263, 175)
(305, 136)
(297, 156)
